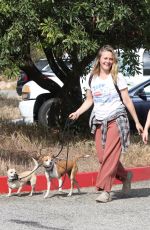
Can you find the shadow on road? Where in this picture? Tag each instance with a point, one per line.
(140, 192)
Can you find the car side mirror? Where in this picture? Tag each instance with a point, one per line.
(141, 93)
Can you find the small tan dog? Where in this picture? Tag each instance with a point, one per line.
(17, 181)
(56, 168)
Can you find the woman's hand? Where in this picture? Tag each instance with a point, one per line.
(84, 107)
(139, 128)
(145, 136)
(146, 128)
(74, 116)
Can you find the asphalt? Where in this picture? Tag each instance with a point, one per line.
(79, 212)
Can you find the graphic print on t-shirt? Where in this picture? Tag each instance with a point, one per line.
(104, 92)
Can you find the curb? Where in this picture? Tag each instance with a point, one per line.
(85, 179)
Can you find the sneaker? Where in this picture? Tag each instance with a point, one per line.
(127, 183)
(104, 197)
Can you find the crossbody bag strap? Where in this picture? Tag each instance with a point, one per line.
(90, 80)
(118, 91)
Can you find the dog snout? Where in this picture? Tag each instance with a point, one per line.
(16, 176)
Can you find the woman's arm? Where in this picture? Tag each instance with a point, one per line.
(129, 104)
(84, 107)
(146, 128)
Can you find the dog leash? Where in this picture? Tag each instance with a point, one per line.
(20, 178)
(68, 123)
(66, 129)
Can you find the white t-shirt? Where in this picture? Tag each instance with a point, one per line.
(105, 96)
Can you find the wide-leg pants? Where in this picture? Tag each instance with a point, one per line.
(109, 158)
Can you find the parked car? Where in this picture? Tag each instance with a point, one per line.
(39, 105)
(144, 69)
(140, 95)
(22, 79)
(41, 64)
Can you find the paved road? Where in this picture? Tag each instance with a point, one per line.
(79, 212)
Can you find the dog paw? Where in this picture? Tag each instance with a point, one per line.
(45, 196)
(30, 195)
(8, 195)
(69, 194)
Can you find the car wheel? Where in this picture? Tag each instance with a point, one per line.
(50, 113)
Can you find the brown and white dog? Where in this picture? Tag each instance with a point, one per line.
(16, 181)
(56, 168)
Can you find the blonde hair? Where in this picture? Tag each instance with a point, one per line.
(114, 68)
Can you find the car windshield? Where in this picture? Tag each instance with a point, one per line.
(41, 63)
(48, 69)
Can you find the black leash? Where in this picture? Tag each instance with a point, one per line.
(66, 130)
(20, 178)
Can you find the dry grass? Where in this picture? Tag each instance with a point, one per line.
(8, 108)
(18, 143)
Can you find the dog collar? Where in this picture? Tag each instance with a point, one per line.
(11, 180)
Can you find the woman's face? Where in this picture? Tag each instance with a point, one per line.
(106, 61)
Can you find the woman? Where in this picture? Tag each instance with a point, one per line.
(107, 89)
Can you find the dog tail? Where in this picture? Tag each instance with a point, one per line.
(36, 165)
(82, 156)
(33, 170)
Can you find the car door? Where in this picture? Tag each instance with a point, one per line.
(141, 101)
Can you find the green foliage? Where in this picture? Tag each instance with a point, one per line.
(50, 31)
(129, 63)
(11, 73)
(76, 26)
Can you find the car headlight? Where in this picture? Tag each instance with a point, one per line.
(26, 92)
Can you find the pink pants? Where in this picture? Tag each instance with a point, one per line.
(110, 165)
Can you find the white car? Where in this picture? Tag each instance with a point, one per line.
(37, 102)
(38, 105)
(144, 69)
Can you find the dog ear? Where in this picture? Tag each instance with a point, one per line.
(39, 153)
(52, 155)
(38, 159)
(7, 167)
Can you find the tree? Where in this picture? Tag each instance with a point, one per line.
(76, 26)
